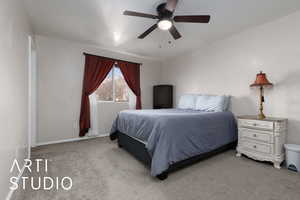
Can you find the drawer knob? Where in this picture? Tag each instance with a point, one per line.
(254, 124)
(254, 146)
(254, 135)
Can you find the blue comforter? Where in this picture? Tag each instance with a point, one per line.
(172, 135)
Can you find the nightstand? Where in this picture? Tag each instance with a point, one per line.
(262, 140)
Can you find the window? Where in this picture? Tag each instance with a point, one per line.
(114, 87)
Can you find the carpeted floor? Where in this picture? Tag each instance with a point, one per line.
(102, 171)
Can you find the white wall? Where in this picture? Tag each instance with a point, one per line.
(60, 73)
(111, 110)
(229, 67)
(14, 31)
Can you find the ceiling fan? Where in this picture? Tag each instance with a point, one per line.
(166, 20)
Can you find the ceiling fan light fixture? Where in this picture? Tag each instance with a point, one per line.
(165, 24)
(166, 20)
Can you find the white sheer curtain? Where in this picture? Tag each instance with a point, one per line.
(94, 130)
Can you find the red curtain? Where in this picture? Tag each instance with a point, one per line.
(95, 70)
(131, 73)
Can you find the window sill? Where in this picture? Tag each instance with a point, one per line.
(113, 102)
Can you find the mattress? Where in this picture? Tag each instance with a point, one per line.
(172, 135)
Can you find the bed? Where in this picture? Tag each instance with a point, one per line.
(168, 139)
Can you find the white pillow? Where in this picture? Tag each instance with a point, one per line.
(211, 103)
(187, 101)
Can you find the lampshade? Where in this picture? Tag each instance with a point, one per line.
(261, 80)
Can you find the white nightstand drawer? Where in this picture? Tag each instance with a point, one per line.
(258, 124)
(262, 136)
(262, 139)
(263, 148)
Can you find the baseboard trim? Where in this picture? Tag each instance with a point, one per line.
(11, 192)
(70, 140)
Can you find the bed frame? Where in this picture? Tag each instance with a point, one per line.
(139, 151)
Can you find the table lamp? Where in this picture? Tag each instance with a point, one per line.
(261, 81)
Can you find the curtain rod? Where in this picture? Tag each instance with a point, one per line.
(111, 58)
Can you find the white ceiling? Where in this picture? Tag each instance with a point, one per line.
(101, 22)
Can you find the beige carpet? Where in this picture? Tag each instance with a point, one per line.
(102, 171)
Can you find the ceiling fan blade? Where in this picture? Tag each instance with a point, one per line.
(171, 5)
(192, 18)
(139, 14)
(174, 32)
(152, 28)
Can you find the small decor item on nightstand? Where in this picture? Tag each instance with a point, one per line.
(261, 81)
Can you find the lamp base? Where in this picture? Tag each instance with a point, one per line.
(261, 116)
